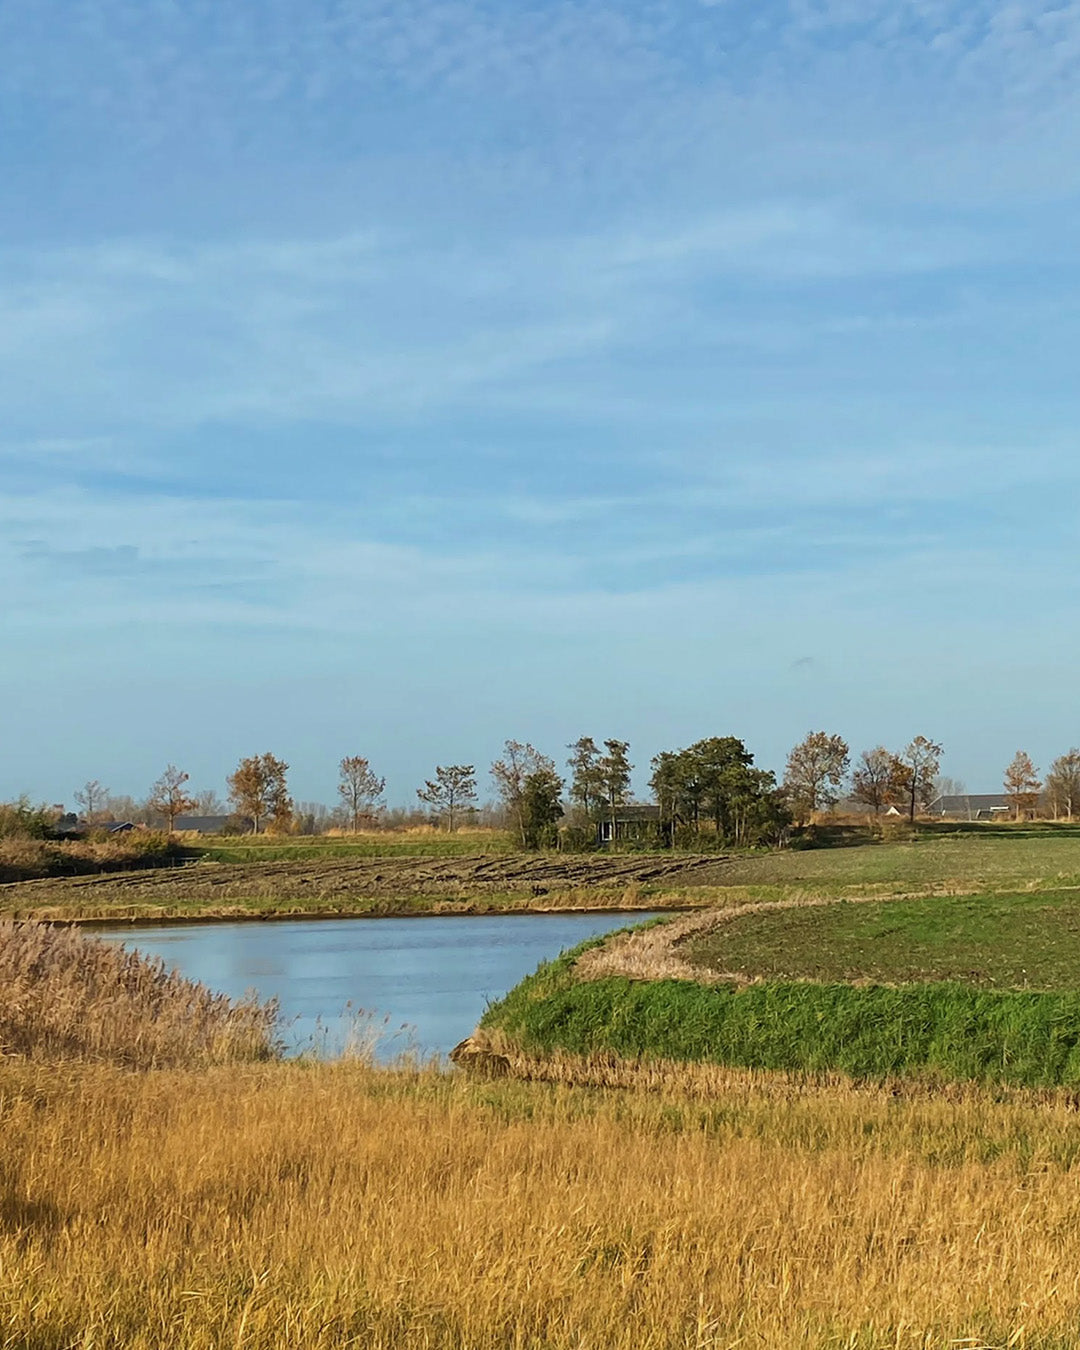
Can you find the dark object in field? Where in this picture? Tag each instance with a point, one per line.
(475, 1057)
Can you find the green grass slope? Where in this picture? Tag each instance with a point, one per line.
(1026, 940)
(955, 988)
(980, 857)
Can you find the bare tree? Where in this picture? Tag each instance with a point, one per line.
(359, 788)
(816, 768)
(92, 797)
(877, 781)
(1062, 786)
(921, 760)
(123, 806)
(208, 803)
(258, 791)
(169, 797)
(453, 788)
(519, 762)
(315, 817)
(1022, 784)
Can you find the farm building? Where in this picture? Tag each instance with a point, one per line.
(629, 822)
(972, 806)
(202, 824)
(72, 827)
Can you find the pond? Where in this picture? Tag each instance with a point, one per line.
(422, 983)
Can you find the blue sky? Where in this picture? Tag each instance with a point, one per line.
(394, 378)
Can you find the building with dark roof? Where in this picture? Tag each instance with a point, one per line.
(973, 806)
(202, 824)
(632, 821)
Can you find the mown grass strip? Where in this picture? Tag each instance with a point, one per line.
(943, 1029)
(1021, 940)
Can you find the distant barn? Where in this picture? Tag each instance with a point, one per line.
(202, 824)
(972, 806)
(70, 827)
(629, 822)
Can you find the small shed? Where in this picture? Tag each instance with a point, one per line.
(632, 821)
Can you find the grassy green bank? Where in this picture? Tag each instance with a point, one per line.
(1013, 941)
(983, 989)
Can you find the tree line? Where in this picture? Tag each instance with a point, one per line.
(1057, 795)
(819, 772)
(710, 787)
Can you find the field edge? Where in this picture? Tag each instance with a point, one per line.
(936, 1030)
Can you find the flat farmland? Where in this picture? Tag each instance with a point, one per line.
(392, 885)
(263, 878)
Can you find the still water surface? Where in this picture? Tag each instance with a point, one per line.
(425, 982)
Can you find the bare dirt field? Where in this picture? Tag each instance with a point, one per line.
(348, 882)
(370, 885)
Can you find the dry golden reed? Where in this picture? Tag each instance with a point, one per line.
(319, 1206)
(23, 858)
(63, 994)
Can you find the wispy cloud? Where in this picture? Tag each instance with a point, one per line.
(662, 337)
(123, 333)
(210, 558)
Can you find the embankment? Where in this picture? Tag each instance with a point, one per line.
(587, 1004)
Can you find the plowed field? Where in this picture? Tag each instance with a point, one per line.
(386, 885)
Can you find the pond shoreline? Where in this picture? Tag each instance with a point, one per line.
(294, 916)
(375, 983)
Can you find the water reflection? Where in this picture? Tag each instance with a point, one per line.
(429, 978)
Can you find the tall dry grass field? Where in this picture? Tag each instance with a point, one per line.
(328, 1206)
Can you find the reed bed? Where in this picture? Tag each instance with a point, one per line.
(65, 995)
(23, 858)
(319, 1206)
